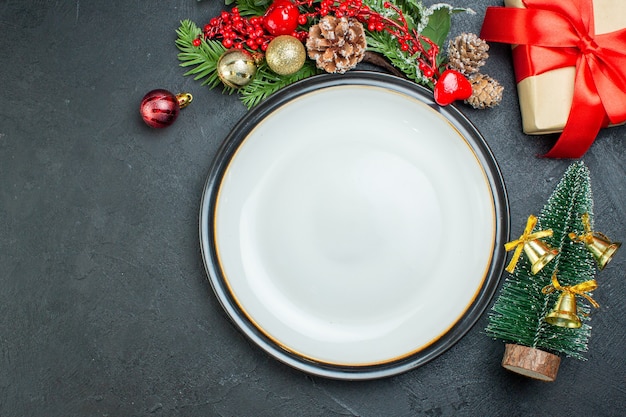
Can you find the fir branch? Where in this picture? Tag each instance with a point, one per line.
(202, 58)
(433, 22)
(266, 83)
(386, 45)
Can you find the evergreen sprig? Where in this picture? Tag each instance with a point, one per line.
(202, 60)
(386, 45)
(266, 82)
(433, 22)
(518, 314)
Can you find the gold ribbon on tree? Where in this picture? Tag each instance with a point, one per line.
(586, 237)
(523, 240)
(579, 289)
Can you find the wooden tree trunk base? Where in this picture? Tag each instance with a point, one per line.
(531, 362)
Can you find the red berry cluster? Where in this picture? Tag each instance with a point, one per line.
(236, 31)
(413, 42)
(283, 17)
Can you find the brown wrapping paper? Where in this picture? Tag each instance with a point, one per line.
(545, 99)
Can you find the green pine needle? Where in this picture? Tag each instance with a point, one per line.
(518, 314)
(266, 82)
(386, 45)
(202, 58)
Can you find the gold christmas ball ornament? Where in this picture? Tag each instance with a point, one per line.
(236, 68)
(285, 55)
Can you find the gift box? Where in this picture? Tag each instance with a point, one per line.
(569, 63)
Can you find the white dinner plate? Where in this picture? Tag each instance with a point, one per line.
(352, 228)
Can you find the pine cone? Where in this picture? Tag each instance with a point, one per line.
(467, 53)
(336, 45)
(486, 92)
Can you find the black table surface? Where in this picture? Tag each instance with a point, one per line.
(105, 306)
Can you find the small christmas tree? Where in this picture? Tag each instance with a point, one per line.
(518, 316)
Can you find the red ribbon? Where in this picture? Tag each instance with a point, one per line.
(553, 34)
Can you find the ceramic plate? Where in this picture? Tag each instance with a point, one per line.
(352, 228)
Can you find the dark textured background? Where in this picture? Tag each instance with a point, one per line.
(105, 309)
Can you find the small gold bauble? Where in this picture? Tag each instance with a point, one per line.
(285, 55)
(236, 68)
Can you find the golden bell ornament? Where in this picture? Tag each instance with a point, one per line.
(285, 55)
(236, 68)
(565, 312)
(539, 254)
(600, 246)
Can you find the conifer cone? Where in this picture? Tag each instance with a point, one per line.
(486, 92)
(467, 53)
(336, 44)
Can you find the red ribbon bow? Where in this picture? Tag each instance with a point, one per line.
(560, 33)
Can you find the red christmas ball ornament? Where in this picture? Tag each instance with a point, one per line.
(451, 86)
(159, 108)
(281, 18)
